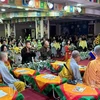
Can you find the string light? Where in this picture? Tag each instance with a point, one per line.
(79, 9)
(50, 5)
(65, 8)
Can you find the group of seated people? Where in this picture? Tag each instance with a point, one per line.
(71, 72)
(27, 55)
(92, 73)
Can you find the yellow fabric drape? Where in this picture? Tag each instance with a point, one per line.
(20, 86)
(65, 73)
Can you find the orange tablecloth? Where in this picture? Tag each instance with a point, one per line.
(56, 64)
(42, 82)
(23, 71)
(68, 92)
(11, 94)
(45, 85)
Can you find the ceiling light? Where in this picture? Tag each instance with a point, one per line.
(65, 8)
(79, 9)
(50, 5)
(79, 5)
(3, 9)
(31, 4)
(2, 0)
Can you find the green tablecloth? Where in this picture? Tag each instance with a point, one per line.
(19, 97)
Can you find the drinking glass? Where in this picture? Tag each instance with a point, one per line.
(93, 84)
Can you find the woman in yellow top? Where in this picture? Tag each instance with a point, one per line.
(57, 46)
(82, 43)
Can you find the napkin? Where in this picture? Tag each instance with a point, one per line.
(79, 89)
(2, 93)
(49, 76)
(22, 71)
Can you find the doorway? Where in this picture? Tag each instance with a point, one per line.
(52, 30)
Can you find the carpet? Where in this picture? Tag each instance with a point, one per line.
(84, 62)
(30, 94)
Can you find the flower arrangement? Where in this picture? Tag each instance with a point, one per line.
(72, 47)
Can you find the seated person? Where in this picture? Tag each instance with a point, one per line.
(27, 53)
(72, 70)
(45, 51)
(83, 44)
(92, 73)
(5, 49)
(7, 77)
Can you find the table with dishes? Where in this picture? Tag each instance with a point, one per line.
(45, 83)
(77, 92)
(58, 65)
(7, 93)
(25, 74)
